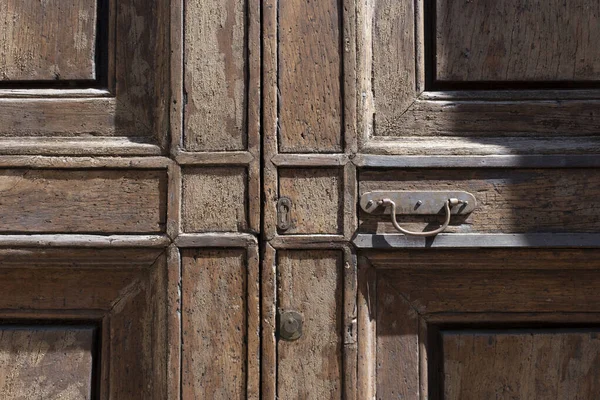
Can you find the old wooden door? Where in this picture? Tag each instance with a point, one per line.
(140, 258)
(499, 99)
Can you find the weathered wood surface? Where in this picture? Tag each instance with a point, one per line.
(82, 201)
(480, 119)
(136, 64)
(214, 199)
(394, 58)
(47, 40)
(214, 324)
(527, 364)
(517, 40)
(215, 75)
(46, 362)
(498, 290)
(311, 282)
(508, 200)
(317, 199)
(397, 345)
(309, 82)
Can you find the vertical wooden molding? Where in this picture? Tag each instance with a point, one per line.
(174, 323)
(268, 318)
(253, 304)
(176, 103)
(254, 114)
(174, 200)
(270, 122)
(367, 330)
(350, 75)
(350, 325)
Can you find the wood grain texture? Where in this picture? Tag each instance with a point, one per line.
(84, 201)
(46, 362)
(310, 80)
(561, 364)
(47, 40)
(215, 75)
(124, 288)
(214, 199)
(517, 40)
(397, 345)
(394, 62)
(498, 290)
(311, 282)
(508, 200)
(317, 199)
(137, 81)
(477, 120)
(215, 283)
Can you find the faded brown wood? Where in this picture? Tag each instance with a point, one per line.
(46, 362)
(397, 345)
(498, 290)
(214, 199)
(394, 58)
(84, 201)
(310, 79)
(133, 101)
(508, 200)
(317, 199)
(480, 119)
(521, 364)
(47, 41)
(517, 40)
(215, 75)
(215, 324)
(311, 282)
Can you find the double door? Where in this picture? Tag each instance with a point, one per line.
(185, 189)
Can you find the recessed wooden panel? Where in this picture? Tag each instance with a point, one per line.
(310, 97)
(215, 75)
(87, 201)
(214, 324)
(47, 40)
(39, 362)
(534, 364)
(517, 40)
(508, 200)
(311, 367)
(317, 198)
(214, 199)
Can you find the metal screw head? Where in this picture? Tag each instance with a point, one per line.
(290, 325)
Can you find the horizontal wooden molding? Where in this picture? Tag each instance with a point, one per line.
(91, 241)
(466, 240)
(193, 240)
(214, 158)
(492, 161)
(310, 160)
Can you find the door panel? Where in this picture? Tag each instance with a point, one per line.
(84, 201)
(516, 41)
(508, 200)
(67, 54)
(48, 362)
(441, 77)
(120, 293)
(527, 364)
(220, 323)
(456, 326)
(72, 72)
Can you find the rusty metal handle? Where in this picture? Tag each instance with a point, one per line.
(450, 203)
